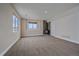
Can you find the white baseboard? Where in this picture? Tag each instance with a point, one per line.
(67, 39)
(6, 50)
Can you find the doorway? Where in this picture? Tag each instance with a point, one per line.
(46, 27)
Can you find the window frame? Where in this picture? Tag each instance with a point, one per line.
(16, 23)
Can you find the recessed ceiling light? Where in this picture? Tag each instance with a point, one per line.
(45, 11)
(55, 16)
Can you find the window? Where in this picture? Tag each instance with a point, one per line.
(32, 25)
(16, 22)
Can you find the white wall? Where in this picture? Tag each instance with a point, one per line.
(32, 32)
(67, 26)
(7, 36)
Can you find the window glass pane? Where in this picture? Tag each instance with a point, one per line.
(16, 23)
(35, 26)
(32, 25)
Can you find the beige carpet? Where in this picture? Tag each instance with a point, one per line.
(43, 46)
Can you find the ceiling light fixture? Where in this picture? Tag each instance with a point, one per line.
(55, 16)
(45, 11)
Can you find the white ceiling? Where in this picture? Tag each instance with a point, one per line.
(42, 10)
